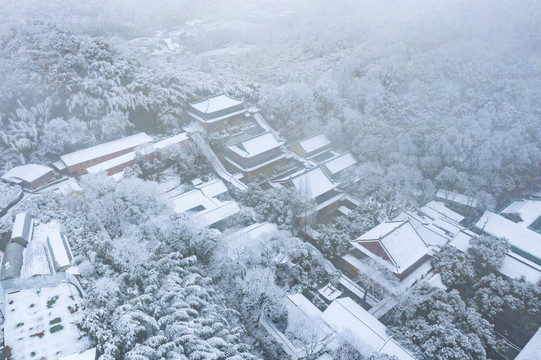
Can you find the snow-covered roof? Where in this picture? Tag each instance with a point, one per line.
(437, 209)
(177, 139)
(532, 350)
(529, 210)
(109, 164)
(456, 198)
(381, 230)
(314, 143)
(215, 103)
(59, 248)
(256, 145)
(12, 261)
(191, 200)
(22, 226)
(36, 260)
(403, 245)
(329, 292)
(432, 235)
(515, 266)
(108, 148)
(28, 173)
(120, 160)
(304, 305)
(212, 216)
(202, 201)
(212, 188)
(49, 330)
(346, 316)
(518, 234)
(315, 181)
(339, 163)
(462, 240)
(435, 280)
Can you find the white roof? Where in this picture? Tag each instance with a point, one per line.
(215, 103)
(462, 240)
(381, 230)
(222, 212)
(210, 209)
(301, 302)
(18, 225)
(339, 163)
(515, 266)
(532, 350)
(256, 145)
(60, 254)
(177, 139)
(108, 148)
(213, 188)
(456, 198)
(28, 173)
(346, 316)
(391, 348)
(314, 180)
(52, 345)
(109, 164)
(529, 210)
(36, 260)
(435, 209)
(401, 242)
(432, 235)
(518, 234)
(192, 199)
(329, 292)
(314, 143)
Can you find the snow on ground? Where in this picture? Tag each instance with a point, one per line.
(8, 194)
(231, 49)
(42, 323)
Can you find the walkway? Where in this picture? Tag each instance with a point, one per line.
(215, 162)
(290, 349)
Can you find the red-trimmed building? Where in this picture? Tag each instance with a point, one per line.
(30, 176)
(78, 162)
(259, 154)
(217, 112)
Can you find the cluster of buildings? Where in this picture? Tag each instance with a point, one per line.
(111, 158)
(391, 257)
(41, 298)
(252, 150)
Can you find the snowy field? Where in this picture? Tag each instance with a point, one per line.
(43, 323)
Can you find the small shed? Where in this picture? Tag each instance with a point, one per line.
(60, 250)
(12, 262)
(22, 229)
